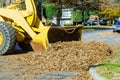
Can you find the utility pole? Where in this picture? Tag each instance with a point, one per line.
(58, 12)
(83, 9)
(82, 3)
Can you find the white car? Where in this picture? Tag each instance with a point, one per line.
(116, 26)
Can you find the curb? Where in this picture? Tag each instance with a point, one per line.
(94, 74)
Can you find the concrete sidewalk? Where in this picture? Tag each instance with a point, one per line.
(95, 75)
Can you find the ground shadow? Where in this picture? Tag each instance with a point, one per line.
(17, 52)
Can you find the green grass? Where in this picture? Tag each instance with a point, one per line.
(87, 30)
(97, 27)
(110, 67)
(108, 70)
(93, 28)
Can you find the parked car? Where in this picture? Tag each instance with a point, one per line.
(95, 22)
(90, 23)
(87, 23)
(103, 22)
(116, 26)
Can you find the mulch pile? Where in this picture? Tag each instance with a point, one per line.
(65, 56)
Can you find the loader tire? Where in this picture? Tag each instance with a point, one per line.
(25, 46)
(7, 38)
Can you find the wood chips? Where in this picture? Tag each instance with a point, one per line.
(64, 56)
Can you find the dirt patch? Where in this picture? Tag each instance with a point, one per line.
(106, 34)
(62, 56)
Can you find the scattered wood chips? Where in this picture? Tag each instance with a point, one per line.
(64, 56)
(106, 34)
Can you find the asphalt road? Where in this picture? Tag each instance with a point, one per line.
(107, 36)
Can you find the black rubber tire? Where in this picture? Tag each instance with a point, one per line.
(9, 38)
(25, 46)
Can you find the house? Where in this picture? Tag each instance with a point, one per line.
(66, 17)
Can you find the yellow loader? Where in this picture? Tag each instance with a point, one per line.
(24, 27)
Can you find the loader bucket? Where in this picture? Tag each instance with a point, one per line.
(55, 34)
(64, 34)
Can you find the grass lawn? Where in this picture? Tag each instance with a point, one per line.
(110, 68)
(93, 28)
(97, 27)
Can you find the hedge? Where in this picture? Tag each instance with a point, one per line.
(50, 10)
(77, 15)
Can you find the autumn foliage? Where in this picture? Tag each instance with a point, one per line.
(110, 9)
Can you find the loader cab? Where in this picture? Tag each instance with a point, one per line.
(37, 5)
(22, 5)
(29, 9)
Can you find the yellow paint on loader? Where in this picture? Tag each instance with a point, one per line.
(41, 39)
(1, 38)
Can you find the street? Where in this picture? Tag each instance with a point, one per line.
(107, 36)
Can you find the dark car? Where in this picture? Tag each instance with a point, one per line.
(95, 22)
(87, 23)
(90, 23)
(116, 26)
(103, 22)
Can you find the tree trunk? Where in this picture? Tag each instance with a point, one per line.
(58, 16)
(83, 15)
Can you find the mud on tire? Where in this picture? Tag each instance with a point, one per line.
(8, 38)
